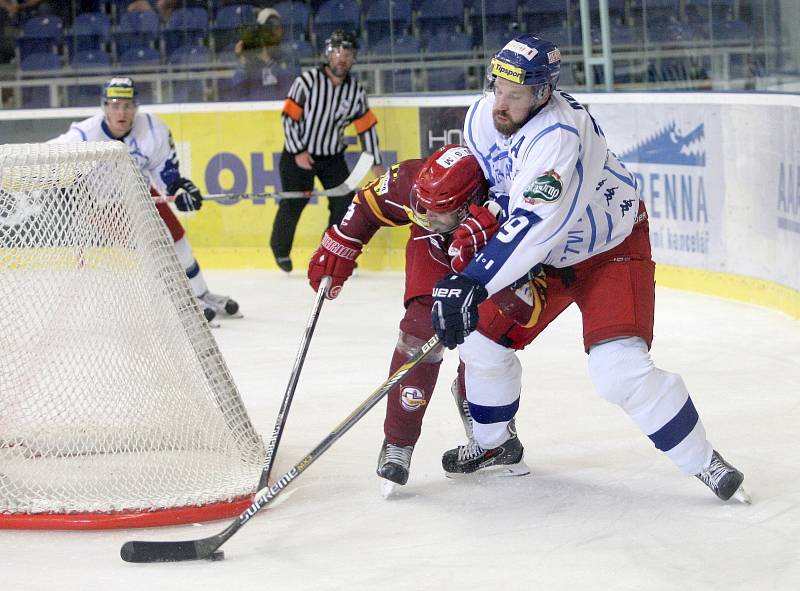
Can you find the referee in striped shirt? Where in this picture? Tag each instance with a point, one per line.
(321, 103)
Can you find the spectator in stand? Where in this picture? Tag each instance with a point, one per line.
(264, 71)
(8, 17)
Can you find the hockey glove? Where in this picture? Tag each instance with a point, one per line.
(336, 257)
(473, 234)
(455, 308)
(187, 195)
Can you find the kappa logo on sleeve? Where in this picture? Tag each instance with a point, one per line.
(545, 189)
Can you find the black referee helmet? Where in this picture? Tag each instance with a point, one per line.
(341, 39)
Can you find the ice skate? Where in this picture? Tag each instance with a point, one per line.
(504, 460)
(394, 462)
(285, 264)
(724, 480)
(209, 313)
(222, 306)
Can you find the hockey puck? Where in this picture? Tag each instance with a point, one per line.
(218, 555)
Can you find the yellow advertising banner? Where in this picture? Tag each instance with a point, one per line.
(238, 152)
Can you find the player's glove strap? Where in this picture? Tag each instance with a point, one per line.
(455, 308)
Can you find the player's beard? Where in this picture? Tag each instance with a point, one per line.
(507, 126)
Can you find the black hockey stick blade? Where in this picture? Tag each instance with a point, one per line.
(206, 547)
(170, 551)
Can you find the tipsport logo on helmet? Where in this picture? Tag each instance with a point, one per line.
(451, 156)
(507, 71)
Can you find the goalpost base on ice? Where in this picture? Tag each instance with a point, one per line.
(116, 406)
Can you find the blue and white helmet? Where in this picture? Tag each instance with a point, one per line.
(526, 60)
(119, 88)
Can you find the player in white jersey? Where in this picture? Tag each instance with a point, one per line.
(572, 207)
(150, 144)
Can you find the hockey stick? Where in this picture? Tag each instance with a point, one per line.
(351, 183)
(207, 547)
(283, 413)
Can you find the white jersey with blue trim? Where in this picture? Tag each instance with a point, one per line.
(566, 196)
(149, 143)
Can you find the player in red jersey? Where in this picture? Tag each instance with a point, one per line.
(444, 198)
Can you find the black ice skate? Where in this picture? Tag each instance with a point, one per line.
(394, 462)
(285, 264)
(723, 479)
(504, 460)
(222, 306)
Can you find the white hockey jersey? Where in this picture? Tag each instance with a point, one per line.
(566, 196)
(149, 142)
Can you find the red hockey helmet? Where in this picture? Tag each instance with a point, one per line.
(449, 181)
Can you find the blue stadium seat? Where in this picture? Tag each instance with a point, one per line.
(140, 56)
(458, 45)
(447, 15)
(91, 59)
(227, 27)
(731, 31)
(336, 14)
(561, 35)
(668, 31)
(38, 97)
(493, 41)
(136, 30)
(298, 48)
(84, 95)
(40, 34)
(387, 16)
(497, 15)
(294, 17)
(405, 47)
(548, 13)
(186, 26)
(90, 31)
(449, 42)
(191, 89)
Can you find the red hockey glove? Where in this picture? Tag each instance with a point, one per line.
(335, 256)
(473, 234)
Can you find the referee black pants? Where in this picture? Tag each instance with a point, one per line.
(332, 171)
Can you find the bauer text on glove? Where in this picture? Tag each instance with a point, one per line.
(455, 308)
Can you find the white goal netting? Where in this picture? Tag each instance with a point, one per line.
(113, 394)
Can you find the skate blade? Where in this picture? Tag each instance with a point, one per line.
(742, 496)
(213, 323)
(226, 315)
(502, 471)
(388, 488)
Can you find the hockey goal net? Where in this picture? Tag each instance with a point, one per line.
(116, 406)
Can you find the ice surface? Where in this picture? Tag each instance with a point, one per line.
(602, 509)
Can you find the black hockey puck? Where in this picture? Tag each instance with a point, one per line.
(218, 555)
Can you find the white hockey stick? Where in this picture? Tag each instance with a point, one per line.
(351, 183)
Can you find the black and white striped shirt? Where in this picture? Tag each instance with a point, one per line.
(316, 113)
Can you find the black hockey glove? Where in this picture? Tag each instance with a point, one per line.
(455, 308)
(187, 195)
